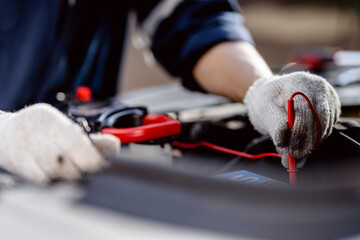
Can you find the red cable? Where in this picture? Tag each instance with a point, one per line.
(223, 149)
(291, 119)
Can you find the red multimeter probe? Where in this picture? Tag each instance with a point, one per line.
(291, 119)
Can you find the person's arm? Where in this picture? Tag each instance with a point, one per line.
(230, 68)
(180, 32)
(207, 46)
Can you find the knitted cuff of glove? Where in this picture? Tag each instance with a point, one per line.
(259, 101)
(248, 99)
(5, 115)
(251, 101)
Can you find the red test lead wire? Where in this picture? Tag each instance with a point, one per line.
(223, 149)
(291, 119)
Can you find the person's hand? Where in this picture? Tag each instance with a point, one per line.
(266, 101)
(41, 144)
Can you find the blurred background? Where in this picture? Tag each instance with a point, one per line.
(278, 27)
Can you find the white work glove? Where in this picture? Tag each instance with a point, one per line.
(266, 101)
(41, 144)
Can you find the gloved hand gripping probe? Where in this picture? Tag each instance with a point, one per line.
(291, 119)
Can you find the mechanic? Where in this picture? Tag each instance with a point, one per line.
(48, 47)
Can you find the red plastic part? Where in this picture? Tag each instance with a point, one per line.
(291, 114)
(154, 126)
(83, 94)
(311, 60)
(292, 170)
(292, 162)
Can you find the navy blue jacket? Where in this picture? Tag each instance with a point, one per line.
(48, 46)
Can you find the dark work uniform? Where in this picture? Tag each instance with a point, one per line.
(48, 46)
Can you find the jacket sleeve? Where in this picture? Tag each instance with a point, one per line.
(179, 32)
